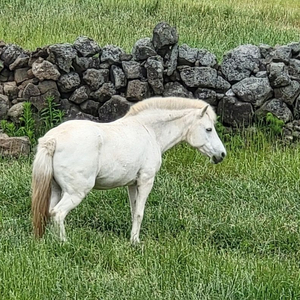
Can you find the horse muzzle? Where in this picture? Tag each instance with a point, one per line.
(218, 158)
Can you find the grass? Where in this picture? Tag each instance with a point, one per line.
(227, 231)
(211, 24)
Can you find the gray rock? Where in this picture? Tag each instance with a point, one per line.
(199, 77)
(277, 107)
(15, 112)
(143, 49)
(261, 74)
(111, 54)
(68, 82)
(113, 109)
(64, 54)
(21, 75)
(95, 78)
(20, 62)
(266, 51)
(90, 107)
(86, 46)
(206, 58)
(43, 69)
(164, 36)
(171, 58)
(6, 75)
(118, 77)
(240, 62)
(80, 95)
(282, 54)
(234, 112)
(4, 106)
(288, 93)
(253, 90)
(31, 90)
(177, 90)
(295, 46)
(132, 69)
(296, 108)
(155, 69)
(10, 89)
(10, 54)
(14, 146)
(47, 85)
(222, 85)
(209, 96)
(104, 93)
(278, 75)
(137, 90)
(187, 55)
(294, 68)
(81, 64)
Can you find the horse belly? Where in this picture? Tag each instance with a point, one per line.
(115, 177)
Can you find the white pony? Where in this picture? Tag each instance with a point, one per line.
(80, 155)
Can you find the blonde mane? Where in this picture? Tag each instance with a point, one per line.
(172, 103)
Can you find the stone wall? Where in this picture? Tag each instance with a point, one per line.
(100, 83)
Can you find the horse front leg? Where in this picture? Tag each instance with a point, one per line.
(142, 191)
(132, 194)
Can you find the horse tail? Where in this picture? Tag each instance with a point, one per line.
(42, 175)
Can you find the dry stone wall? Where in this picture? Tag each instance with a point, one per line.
(100, 83)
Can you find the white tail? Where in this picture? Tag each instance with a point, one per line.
(42, 175)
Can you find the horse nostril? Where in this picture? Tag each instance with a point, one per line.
(223, 154)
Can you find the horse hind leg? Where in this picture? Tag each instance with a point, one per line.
(61, 209)
(55, 195)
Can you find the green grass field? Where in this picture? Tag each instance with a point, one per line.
(217, 25)
(210, 232)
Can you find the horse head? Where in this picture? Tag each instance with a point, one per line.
(203, 135)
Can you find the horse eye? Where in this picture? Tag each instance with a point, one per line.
(209, 129)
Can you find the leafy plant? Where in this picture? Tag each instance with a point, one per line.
(274, 124)
(51, 115)
(26, 126)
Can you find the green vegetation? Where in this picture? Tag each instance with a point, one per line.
(212, 24)
(48, 118)
(227, 231)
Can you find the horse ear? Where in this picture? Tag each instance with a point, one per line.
(203, 111)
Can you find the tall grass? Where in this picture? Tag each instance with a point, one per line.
(227, 231)
(212, 24)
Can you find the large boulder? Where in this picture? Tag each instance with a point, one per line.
(164, 36)
(143, 49)
(86, 46)
(235, 113)
(113, 109)
(155, 68)
(278, 108)
(253, 90)
(44, 69)
(14, 146)
(95, 78)
(240, 62)
(137, 90)
(199, 77)
(63, 55)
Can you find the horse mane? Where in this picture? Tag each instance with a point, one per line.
(170, 103)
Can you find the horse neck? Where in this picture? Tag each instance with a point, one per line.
(170, 127)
